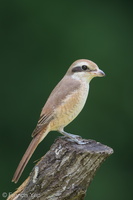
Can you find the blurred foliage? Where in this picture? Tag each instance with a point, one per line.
(38, 42)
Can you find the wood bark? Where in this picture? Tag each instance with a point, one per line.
(65, 172)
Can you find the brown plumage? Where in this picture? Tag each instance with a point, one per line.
(63, 105)
(30, 150)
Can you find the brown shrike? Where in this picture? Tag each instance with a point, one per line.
(63, 105)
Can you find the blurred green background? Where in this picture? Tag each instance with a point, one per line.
(38, 42)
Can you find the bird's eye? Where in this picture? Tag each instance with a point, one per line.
(84, 67)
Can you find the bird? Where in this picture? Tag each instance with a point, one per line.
(63, 105)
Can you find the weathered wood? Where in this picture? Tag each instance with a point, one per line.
(65, 172)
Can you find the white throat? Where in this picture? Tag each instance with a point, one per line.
(81, 76)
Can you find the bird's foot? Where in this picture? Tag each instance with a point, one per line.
(75, 138)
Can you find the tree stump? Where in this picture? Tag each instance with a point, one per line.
(65, 172)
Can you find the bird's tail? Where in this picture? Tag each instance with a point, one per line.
(30, 150)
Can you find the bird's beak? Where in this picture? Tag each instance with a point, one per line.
(98, 73)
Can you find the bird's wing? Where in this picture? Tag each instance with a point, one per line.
(42, 122)
(65, 87)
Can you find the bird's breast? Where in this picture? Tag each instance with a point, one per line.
(70, 107)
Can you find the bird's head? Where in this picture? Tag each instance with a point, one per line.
(84, 70)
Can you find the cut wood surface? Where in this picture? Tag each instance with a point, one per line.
(64, 172)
